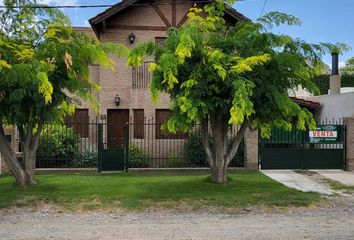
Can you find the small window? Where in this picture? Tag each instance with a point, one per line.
(141, 76)
(160, 40)
(79, 121)
(162, 116)
(139, 124)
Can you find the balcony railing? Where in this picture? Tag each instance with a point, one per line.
(141, 76)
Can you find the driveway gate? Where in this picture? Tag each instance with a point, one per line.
(112, 152)
(323, 148)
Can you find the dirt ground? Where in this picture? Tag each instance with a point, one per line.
(335, 220)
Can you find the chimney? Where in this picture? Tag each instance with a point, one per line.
(335, 78)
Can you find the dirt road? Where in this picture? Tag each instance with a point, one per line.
(335, 221)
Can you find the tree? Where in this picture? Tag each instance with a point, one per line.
(220, 76)
(349, 66)
(44, 72)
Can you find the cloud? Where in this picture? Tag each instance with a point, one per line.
(60, 2)
(341, 64)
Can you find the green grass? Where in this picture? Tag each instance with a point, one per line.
(337, 186)
(158, 191)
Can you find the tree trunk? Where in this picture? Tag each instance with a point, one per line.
(10, 159)
(23, 173)
(29, 158)
(220, 155)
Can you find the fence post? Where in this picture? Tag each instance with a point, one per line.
(99, 145)
(126, 147)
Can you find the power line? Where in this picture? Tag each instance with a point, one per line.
(102, 5)
(264, 5)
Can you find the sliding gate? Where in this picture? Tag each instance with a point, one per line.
(323, 148)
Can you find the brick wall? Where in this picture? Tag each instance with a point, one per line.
(251, 150)
(349, 122)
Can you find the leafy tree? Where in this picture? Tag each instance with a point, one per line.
(349, 66)
(238, 75)
(44, 71)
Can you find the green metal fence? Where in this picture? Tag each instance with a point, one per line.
(297, 149)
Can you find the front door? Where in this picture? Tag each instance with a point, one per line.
(117, 118)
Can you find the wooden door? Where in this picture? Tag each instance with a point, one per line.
(117, 118)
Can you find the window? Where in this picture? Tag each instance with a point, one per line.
(141, 76)
(139, 124)
(162, 116)
(160, 40)
(79, 122)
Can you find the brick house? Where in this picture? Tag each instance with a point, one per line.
(132, 22)
(142, 20)
(145, 20)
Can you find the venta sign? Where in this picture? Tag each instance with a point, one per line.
(324, 134)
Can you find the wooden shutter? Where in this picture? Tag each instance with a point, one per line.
(79, 122)
(162, 116)
(139, 124)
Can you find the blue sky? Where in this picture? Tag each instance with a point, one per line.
(322, 20)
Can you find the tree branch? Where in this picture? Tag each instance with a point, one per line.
(236, 142)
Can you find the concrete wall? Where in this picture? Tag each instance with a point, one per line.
(335, 106)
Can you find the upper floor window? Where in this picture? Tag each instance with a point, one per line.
(160, 40)
(141, 76)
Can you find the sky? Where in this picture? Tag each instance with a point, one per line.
(322, 20)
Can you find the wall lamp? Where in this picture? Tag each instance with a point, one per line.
(117, 100)
(131, 37)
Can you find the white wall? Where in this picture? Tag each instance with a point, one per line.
(335, 106)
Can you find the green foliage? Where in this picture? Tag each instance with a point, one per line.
(322, 82)
(349, 66)
(138, 158)
(44, 64)
(194, 149)
(241, 72)
(58, 141)
(86, 159)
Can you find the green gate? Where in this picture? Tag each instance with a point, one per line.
(323, 148)
(110, 157)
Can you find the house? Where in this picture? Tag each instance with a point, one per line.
(132, 22)
(125, 95)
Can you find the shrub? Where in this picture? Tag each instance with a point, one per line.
(86, 159)
(58, 141)
(138, 158)
(194, 150)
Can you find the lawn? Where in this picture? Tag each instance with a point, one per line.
(158, 191)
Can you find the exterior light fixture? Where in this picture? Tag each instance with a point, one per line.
(131, 37)
(117, 100)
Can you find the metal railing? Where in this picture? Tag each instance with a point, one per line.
(71, 145)
(141, 76)
(149, 146)
(173, 150)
